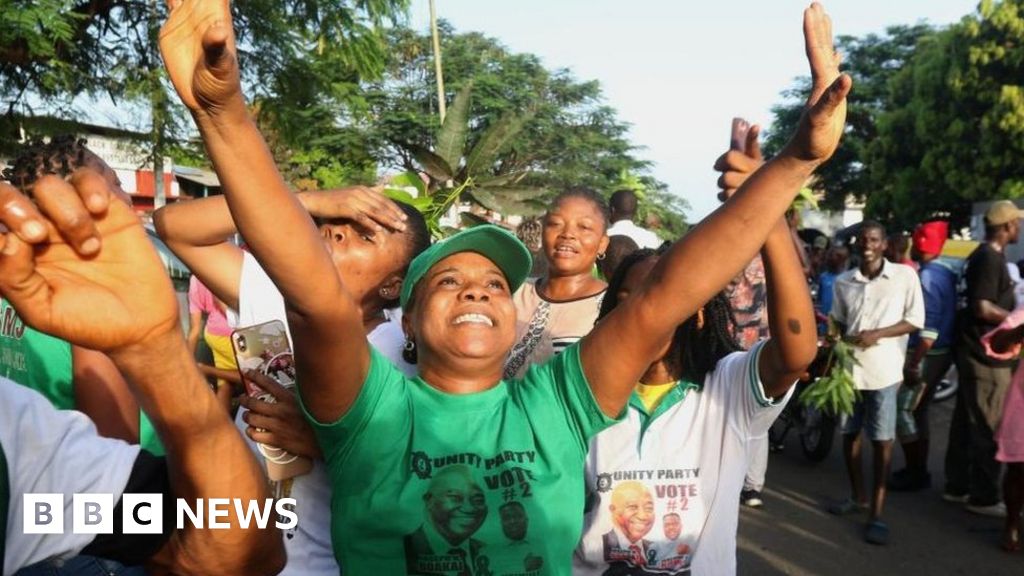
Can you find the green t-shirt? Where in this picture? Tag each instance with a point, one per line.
(43, 363)
(490, 483)
(36, 360)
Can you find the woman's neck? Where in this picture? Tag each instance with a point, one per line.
(659, 373)
(570, 287)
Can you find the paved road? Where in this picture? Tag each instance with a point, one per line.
(792, 534)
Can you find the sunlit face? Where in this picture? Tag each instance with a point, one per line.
(1014, 231)
(574, 234)
(871, 245)
(672, 526)
(463, 310)
(456, 505)
(366, 259)
(632, 510)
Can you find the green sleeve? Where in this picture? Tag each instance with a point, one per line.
(558, 398)
(377, 410)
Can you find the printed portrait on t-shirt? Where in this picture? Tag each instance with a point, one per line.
(646, 529)
(450, 540)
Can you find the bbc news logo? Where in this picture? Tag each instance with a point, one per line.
(144, 513)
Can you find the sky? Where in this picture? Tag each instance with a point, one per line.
(678, 71)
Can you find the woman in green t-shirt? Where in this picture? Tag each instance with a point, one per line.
(458, 471)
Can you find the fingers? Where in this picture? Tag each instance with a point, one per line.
(21, 284)
(63, 206)
(364, 206)
(753, 144)
(262, 422)
(20, 216)
(93, 189)
(269, 385)
(833, 98)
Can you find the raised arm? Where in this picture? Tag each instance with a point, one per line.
(197, 231)
(104, 288)
(697, 267)
(332, 357)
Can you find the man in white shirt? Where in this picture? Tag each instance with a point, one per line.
(876, 307)
(623, 208)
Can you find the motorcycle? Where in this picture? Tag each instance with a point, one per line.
(815, 427)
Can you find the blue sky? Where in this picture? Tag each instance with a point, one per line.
(678, 71)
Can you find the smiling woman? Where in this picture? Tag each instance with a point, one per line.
(421, 467)
(560, 308)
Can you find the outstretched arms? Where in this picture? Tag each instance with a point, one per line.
(198, 47)
(699, 265)
(87, 274)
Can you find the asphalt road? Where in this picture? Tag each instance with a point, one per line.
(793, 534)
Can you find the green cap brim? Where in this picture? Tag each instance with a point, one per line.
(498, 245)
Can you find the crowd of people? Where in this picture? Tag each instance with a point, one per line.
(581, 397)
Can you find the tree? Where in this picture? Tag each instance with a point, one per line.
(872, 61)
(554, 131)
(954, 133)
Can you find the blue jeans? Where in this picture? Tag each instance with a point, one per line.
(875, 412)
(80, 566)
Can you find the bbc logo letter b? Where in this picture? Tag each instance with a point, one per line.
(44, 513)
(93, 513)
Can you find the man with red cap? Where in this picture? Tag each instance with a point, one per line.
(929, 355)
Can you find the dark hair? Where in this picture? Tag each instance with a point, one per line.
(584, 194)
(695, 350)
(872, 225)
(623, 202)
(416, 228)
(61, 156)
(618, 248)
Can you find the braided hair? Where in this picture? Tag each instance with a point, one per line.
(699, 342)
(61, 156)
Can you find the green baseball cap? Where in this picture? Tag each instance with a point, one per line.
(497, 244)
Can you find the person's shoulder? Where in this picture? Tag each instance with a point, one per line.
(845, 276)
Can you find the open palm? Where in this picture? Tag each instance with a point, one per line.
(116, 298)
(824, 119)
(198, 46)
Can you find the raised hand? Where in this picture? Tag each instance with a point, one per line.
(91, 277)
(367, 207)
(737, 166)
(824, 118)
(198, 46)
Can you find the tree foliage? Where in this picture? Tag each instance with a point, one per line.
(954, 130)
(872, 61)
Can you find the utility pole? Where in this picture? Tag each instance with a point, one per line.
(437, 61)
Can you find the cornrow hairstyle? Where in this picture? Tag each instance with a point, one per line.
(585, 194)
(696, 346)
(60, 156)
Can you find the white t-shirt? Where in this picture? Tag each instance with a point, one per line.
(689, 462)
(56, 452)
(643, 237)
(308, 545)
(862, 304)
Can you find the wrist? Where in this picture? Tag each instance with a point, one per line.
(223, 118)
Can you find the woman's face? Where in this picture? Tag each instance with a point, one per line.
(367, 260)
(463, 311)
(574, 234)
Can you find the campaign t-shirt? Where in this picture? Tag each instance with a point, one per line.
(34, 359)
(308, 543)
(55, 452)
(985, 277)
(431, 483)
(663, 487)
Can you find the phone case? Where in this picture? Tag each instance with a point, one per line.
(264, 348)
(740, 129)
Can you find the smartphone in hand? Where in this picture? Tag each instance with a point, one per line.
(738, 142)
(265, 348)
